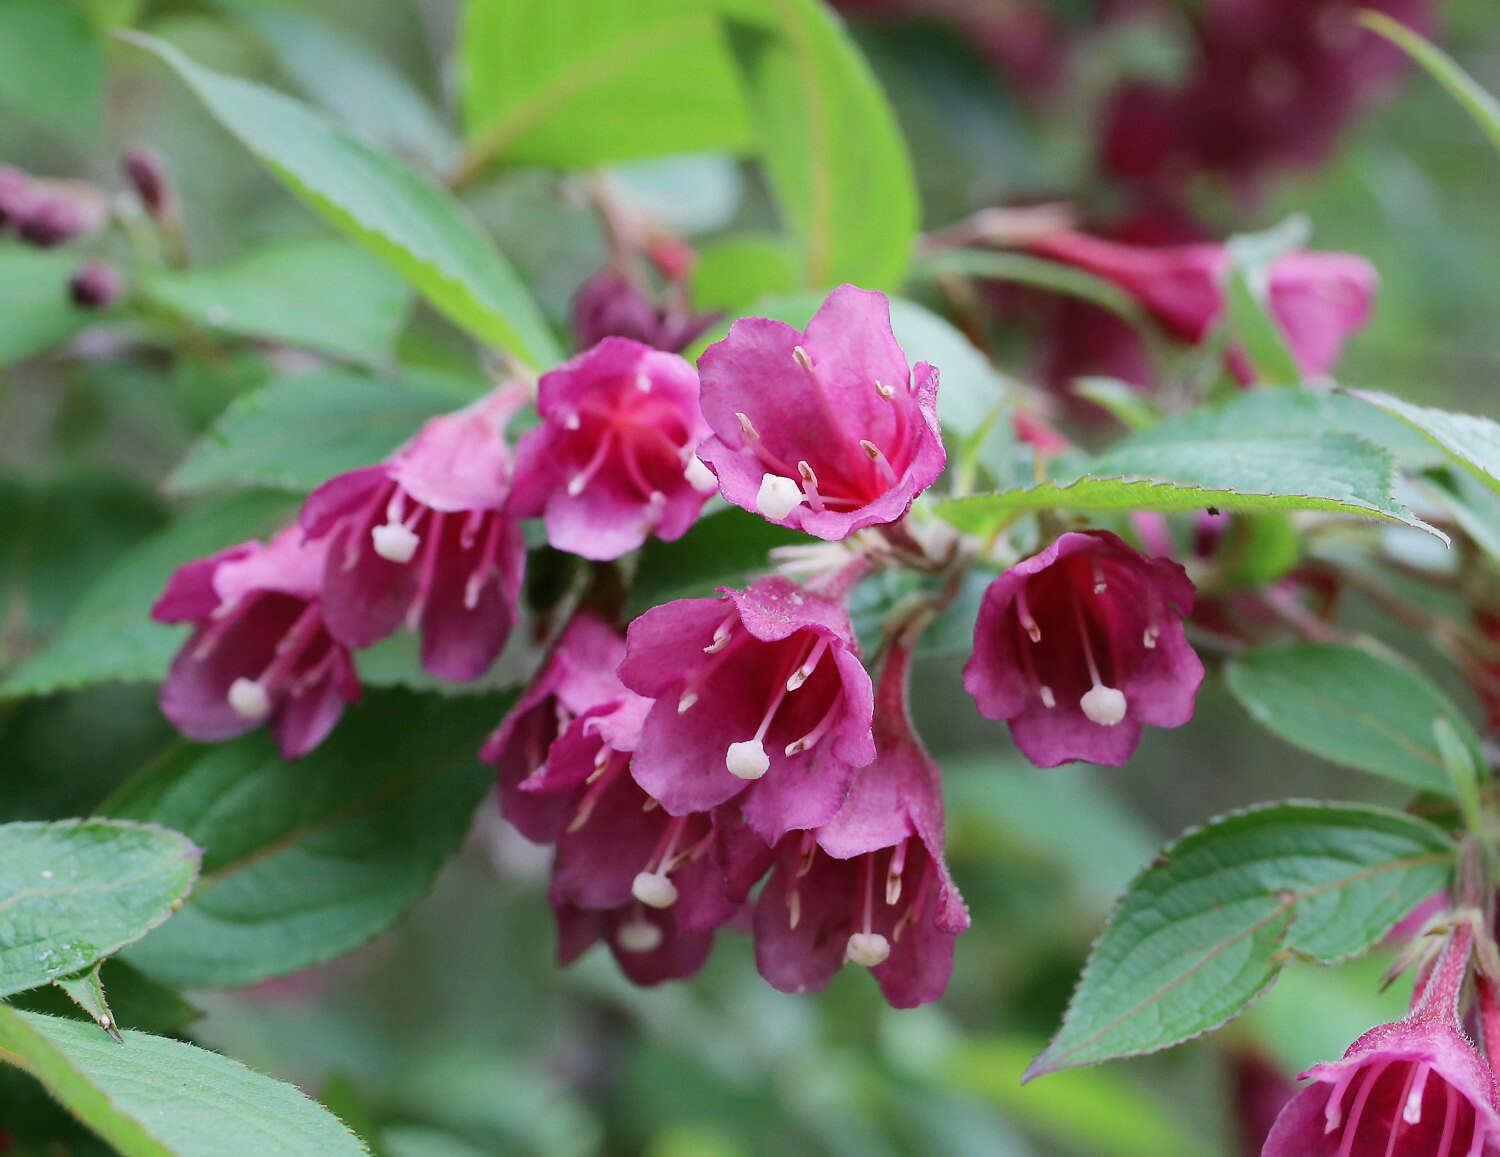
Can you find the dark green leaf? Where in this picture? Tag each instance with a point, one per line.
(52, 68)
(727, 548)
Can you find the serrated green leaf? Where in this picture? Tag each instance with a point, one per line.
(1471, 440)
(75, 891)
(52, 68)
(395, 212)
(36, 313)
(323, 295)
(1205, 929)
(577, 83)
(156, 1097)
(304, 861)
(1351, 707)
(86, 990)
(299, 431)
(109, 637)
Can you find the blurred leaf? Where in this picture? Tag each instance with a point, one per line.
(969, 388)
(1351, 707)
(1469, 439)
(577, 83)
(1037, 273)
(135, 1001)
(36, 313)
(1251, 326)
(1475, 507)
(1261, 548)
(1134, 409)
(305, 861)
(325, 295)
(358, 86)
(110, 637)
(52, 68)
(726, 548)
(419, 1141)
(162, 1098)
(392, 210)
(75, 891)
(1206, 928)
(832, 150)
(1313, 1013)
(733, 271)
(299, 431)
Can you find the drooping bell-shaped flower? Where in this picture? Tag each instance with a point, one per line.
(613, 460)
(649, 944)
(260, 651)
(578, 676)
(827, 430)
(1415, 1088)
(1319, 301)
(760, 689)
(870, 887)
(1079, 645)
(423, 539)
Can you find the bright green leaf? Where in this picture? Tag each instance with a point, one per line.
(734, 271)
(75, 891)
(1470, 440)
(52, 68)
(1351, 707)
(36, 313)
(1206, 928)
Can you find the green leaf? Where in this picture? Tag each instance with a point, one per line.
(305, 861)
(832, 150)
(1130, 407)
(75, 891)
(969, 388)
(1470, 440)
(86, 990)
(1251, 325)
(299, 431)
(733, 271)
(1351, 707)
(36, 313)
(1038, 273)
(52, 68)
(395, 212)
(156, 1097)
(324, 295)
(1206, 928)
(577, 83)
(1478, 103)
(109, 637)
(725, 548)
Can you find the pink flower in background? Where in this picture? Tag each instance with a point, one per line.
(760, 689)
(422, 538)
(609, 304)
(869, 887)
(260, 651)
(613, 460)
(828, 430)
(1320, 300)
(1081, 644)
(1415, 1088)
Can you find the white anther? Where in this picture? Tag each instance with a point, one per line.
(747, 759)
(639, 936)
(577, 484)
(1048, 699)
(643, 383)
(249, 699)
(778, 496)
(1103, 705)
(746, 425)
(1412, 1112)
(700, 477)
(799, 355)
(868, 949)
(886, 392)
(685, 704)
(654, 890)
(395, 542)
(1148, 640)
(572, 421)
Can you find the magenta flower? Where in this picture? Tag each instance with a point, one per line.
(762, 688)
(1415, 1088)
(1081, 644)
(649, 944)
(609, 304)
(579, 676)
(1319, 300)
(613, 460)
(260, 651)
(870, 886)
(827, 431)
(422, 538)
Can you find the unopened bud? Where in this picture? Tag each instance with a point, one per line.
(148, 177)
(51, 221)
(15, 194)
(95, 286)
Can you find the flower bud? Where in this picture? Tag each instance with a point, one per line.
(148, 177)
(95, 285)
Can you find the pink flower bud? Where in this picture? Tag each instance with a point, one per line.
(95, 285)
(147, 174)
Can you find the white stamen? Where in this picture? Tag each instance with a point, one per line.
(1103, 705)
(577, 484)
(747, 759)
(778, 496)
(1148, 640)
(639, 936)
(654, 890)
(1412, 1113)
(249, 699)
(886, 392)
(643, 383)
(1023, 613)
(1048, 699)
(799, 355)
(747, 426)
(868, 949)
(572, 421)
(685, 704)
(395, 542)
(700, 477)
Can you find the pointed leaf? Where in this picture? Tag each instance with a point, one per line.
(1470, 440)
(86, 990)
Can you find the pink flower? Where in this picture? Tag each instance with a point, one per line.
(422, 538)
(649, 944)
(870, 886)
(260, 651)
(1081, 644)
(609, 304)
(827, 431)
(761, 689)
(1415, 1088)
(1319, 300)
(612, 461)
(578, 677)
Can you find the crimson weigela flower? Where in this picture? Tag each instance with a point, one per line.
(762, 688)
(613, 460)
(422, 538)
(260, 651)
(1082, 643)
(827, 430)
